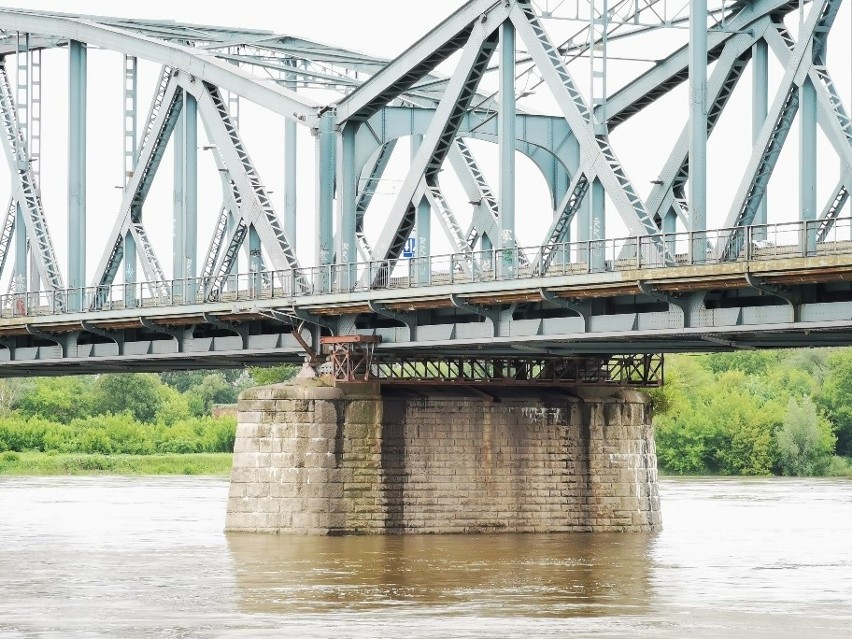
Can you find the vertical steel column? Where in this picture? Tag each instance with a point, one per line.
(190, 192)
(506, 140)
(759, 109)
(178, 222)
(325, 178)
(597, 231)
(129, 270)
(130, 109)
(76, 170)
(290, 132)
(130, 106)
(22, 103)
(598, 35)
(34, 145)
(22, 86)
(670, 228)
(255, 260)
(347, 251)
(422, 228)
(808, 160)
(698, 126)
(19, 277)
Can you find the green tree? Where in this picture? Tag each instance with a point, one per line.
(835, 398)
(804, 441)
(57, 398)
(213, 389)
(184, 381)
(265, 375)
(134, 393)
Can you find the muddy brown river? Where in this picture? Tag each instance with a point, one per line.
(146, 557)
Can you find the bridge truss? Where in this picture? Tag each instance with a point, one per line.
(447, 126)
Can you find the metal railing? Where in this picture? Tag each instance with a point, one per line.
(753, 243)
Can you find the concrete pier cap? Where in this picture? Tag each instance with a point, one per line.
(312, 457)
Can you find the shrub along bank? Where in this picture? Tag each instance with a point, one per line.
(756, 413)
(123, 423)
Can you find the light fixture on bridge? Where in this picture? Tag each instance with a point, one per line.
(658, 182)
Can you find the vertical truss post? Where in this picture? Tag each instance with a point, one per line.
(290, 188)
(422, 228)
(131, 155)
(347, 251)
(129, 269)
(808, 160)
(506, 141)
(22, 89)
(22, 85)
(76, 171)
(35, 113)
(34, 147)
(597, 231)
(670, 228)
(698, 125)
(190, 191)
(759, 109)
(255, 259)
(326, 151)
(130, 110)
(179, 200)
(598, 35)
(19, 276)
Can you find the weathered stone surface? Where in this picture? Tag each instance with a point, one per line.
(362, 459)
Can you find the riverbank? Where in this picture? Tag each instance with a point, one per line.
(837, 468)
(37, 463)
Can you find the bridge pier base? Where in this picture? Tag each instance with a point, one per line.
(368, 459)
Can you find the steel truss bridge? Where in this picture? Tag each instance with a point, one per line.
(613, 274)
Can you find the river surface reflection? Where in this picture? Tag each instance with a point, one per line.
(143, 557)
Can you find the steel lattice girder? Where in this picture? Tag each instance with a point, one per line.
(582, 156)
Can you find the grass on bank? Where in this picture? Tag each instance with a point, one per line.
(50, 463)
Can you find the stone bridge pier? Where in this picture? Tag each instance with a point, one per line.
(372, 459)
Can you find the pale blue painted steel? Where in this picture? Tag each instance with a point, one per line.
(190, 191)
(759, 106)
(77, 72)
(325, 177)
(698, 120)
(507, 137)
(290, 184)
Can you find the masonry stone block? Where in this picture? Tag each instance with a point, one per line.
(365, 459)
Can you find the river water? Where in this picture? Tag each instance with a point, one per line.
(146, 557)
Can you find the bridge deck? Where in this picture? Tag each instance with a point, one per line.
(771, 295)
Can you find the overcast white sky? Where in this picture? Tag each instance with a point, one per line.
(382, 27)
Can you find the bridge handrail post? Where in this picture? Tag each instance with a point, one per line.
(588, 256)
(749, 247)
(638, 251)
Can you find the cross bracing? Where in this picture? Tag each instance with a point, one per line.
(495, 125)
